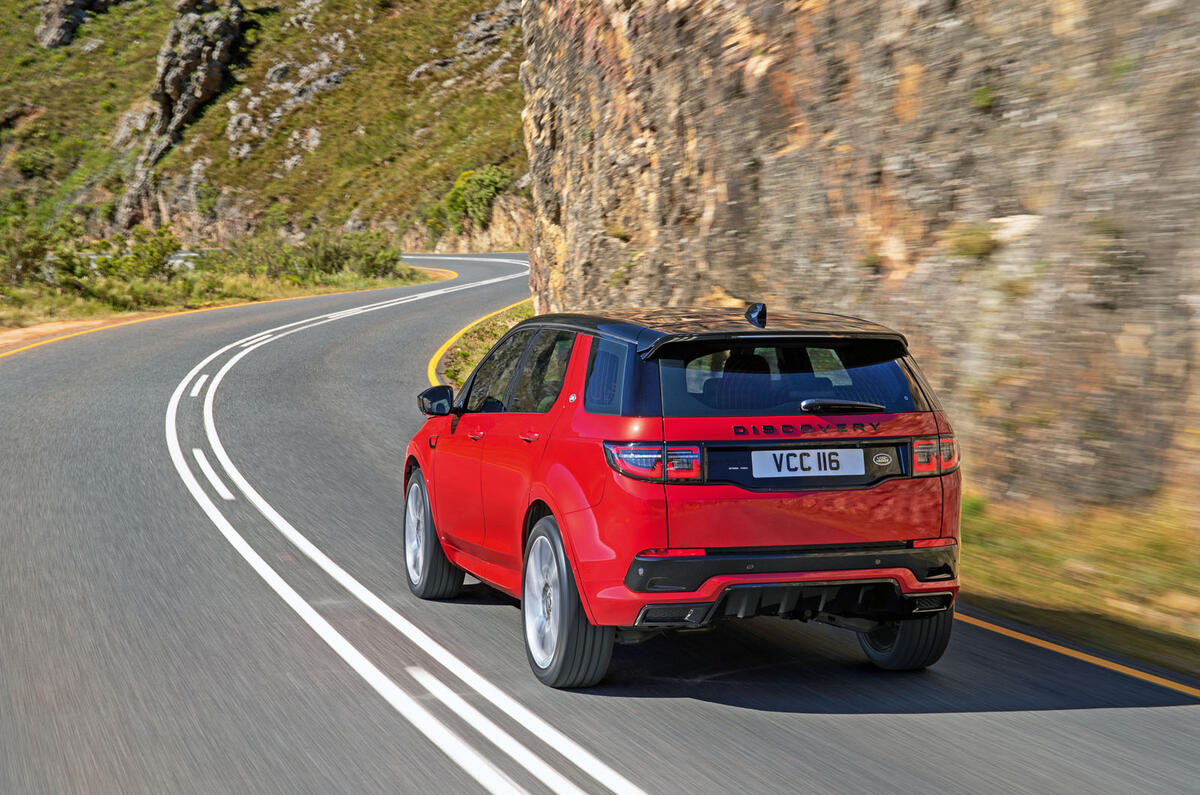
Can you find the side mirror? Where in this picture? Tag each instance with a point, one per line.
(437, 401)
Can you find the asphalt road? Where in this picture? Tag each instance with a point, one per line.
(157, 637)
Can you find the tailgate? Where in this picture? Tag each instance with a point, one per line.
(790, 481)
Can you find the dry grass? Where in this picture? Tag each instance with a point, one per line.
(26, 306)
(1123, 579)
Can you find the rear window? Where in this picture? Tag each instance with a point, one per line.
(772, 378)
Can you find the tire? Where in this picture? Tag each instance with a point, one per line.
(430, 575)
(908, 645)
(564, 648)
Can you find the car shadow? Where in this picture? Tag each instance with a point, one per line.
(476, 593)
(774, 665)
(786, 666)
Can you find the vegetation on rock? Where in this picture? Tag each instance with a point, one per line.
(340, 113)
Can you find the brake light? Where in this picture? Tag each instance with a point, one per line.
(934, 455)
(645, 461)
(642, 461)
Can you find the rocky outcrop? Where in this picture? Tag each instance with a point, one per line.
(193, 67)
(61, 18)
(478, 39)
(1013, 184)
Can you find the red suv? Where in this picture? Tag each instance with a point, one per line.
(645, 470)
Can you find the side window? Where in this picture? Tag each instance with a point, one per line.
(541, 378)
(606, 377)
(489, 387)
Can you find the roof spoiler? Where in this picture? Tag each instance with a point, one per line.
(652, 348)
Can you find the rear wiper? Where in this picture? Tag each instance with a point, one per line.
(823, 406)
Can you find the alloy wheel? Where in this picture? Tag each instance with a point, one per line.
(414, 532)
(542, 602)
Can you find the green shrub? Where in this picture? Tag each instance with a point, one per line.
(34, 162)
(147, 256)
(23, 244)
(983, 98)
(206, 198)
(472, 196)
(433, 215)
(324, 254)
(973, 240)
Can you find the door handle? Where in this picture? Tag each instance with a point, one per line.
(530, 436)
(475, 435)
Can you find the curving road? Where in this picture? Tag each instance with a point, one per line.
(162, 630)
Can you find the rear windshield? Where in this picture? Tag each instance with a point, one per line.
(772, 378)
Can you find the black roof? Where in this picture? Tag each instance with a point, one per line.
(650, 329)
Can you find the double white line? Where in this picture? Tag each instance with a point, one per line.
(461, 753)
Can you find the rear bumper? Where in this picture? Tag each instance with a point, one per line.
(684, 574)
(617, 605)
(870, 599)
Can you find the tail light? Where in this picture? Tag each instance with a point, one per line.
(645, 461)
(948, 455)
(683, 463)
(641, 461)
(934, 455)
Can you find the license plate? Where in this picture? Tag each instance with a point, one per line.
(806, 463)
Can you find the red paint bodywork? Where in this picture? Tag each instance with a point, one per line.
(487, 483)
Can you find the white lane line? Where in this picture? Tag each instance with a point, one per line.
(211, 474)
(571, 750)
(462, 754)
(258, 339)
(556, 781)
(199, 384)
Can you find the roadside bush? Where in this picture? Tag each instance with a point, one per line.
(366, 254)
(147, 256)
(23, 243)
(45, 274)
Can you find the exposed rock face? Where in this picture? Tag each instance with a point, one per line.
(61, 18)
(1015, 185)
(193, 65)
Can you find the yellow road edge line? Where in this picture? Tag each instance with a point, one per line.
(452, 275)
(1079, 655)
(431, 371)
(446, 272)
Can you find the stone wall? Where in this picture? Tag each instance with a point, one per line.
(1015, 185)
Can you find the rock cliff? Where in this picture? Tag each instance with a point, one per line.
(1013, 184)
(193, 67)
